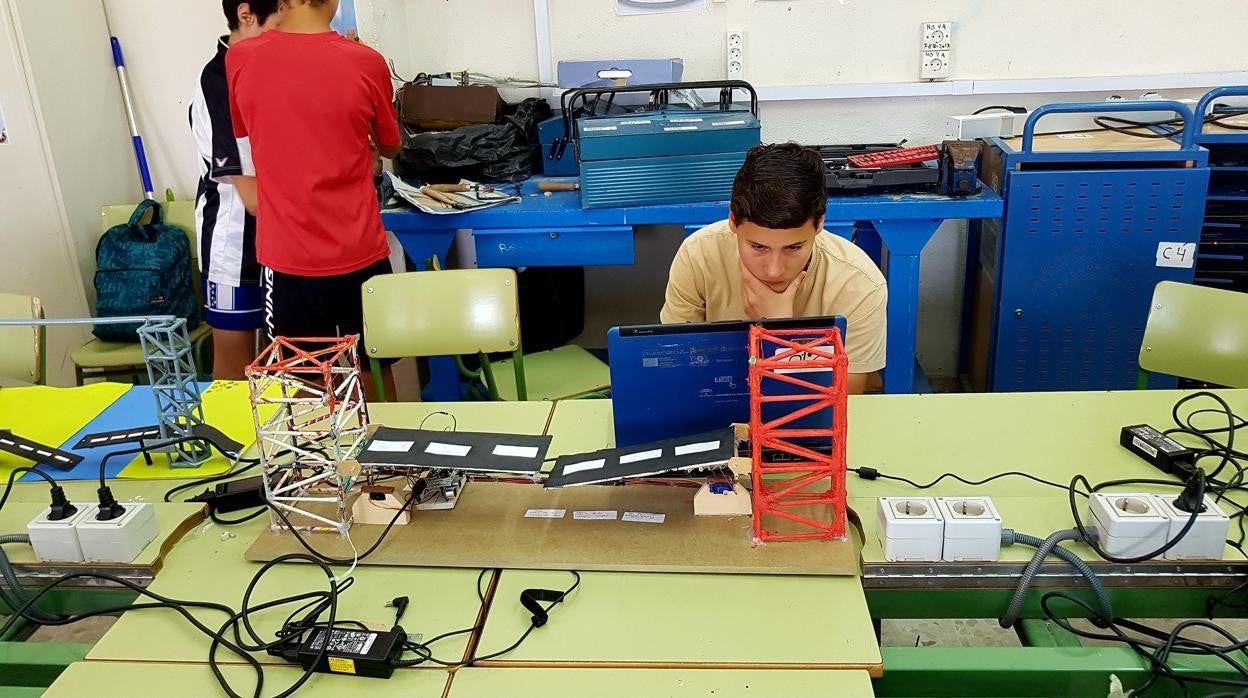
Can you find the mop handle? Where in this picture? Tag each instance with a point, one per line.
(139, 154)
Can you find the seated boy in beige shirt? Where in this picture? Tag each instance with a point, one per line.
(772, 259)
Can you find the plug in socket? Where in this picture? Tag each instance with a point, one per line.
(57, 541)
(1128, 524)
(1206, 540)
(910, 529)
(120, 539)
(972, 529)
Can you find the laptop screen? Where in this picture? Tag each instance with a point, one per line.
(669, 381)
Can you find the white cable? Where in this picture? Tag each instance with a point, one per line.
(355, 558)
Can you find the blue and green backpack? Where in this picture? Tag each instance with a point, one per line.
(143, 269)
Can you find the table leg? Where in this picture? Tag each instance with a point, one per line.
(903, 239)
(421, 246)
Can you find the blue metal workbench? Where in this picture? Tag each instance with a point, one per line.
(554, 230)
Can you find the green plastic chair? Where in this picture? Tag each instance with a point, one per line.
(471, 311)
(1198, 333)
(23, 348)
(123, 361)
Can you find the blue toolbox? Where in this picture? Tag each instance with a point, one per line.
(1058, 287)
(663, 155)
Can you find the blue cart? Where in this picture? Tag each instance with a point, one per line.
(1058, 287)
(1222, 258)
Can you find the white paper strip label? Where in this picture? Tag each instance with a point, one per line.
(545, 513)
(595, 515)
(516, 451)
(643, 517)
(587, 465)
(1179, 255)
(697, 448)
(640, 456)
(391, 446)
(447, 449)
(1075, 136)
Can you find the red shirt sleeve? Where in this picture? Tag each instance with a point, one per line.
(234, 61)
(385, 120)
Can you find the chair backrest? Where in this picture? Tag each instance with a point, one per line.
(1197, 332)
(21, 346)
(435, 313)
(177, 213)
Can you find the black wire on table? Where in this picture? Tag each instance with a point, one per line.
(425, 654)
(454, 422)
(872, 474)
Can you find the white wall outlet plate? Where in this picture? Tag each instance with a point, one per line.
(734, 54)
(1205, 540)
(120, 539)
(1129, 525)
(57, 541)
(936, 50)
(910, 529)
(972, 529)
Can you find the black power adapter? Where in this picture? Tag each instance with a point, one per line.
(234, 495)
(370, 653)
(1161, 451)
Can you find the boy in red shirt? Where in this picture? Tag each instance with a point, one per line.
(312, 104)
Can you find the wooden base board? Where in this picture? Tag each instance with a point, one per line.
(488, 529)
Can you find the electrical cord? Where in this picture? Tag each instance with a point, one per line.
(415, 492)
(1158, 654)
(532, 599)
(293, 631)
(868, 473)
(13, 475)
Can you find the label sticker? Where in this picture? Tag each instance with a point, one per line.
(545, 513)
(341, 665)
(595, 515)
(1144, 446)
(598, 128)
(1075, 136)
(1178, 255)
(643, 517)
(680, 128)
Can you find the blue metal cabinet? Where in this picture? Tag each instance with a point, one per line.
(1061, 286)
(1222, 259)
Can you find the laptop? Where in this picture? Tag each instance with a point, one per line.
(669, 381)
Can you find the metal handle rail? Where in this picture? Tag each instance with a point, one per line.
(659, 93)
(1190, 123)
(1202, 107)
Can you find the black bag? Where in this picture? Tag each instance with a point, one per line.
(505, 151)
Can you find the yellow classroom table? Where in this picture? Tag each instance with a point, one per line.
(130, 679)
(656, 683)
(618, 619)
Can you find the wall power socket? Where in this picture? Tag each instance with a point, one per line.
(972, 529)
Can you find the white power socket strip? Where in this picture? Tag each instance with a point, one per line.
(910, 529)
(82, 537)
(937, 51)
(734, 54)
(972, 529)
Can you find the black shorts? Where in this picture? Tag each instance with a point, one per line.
(317, 306)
